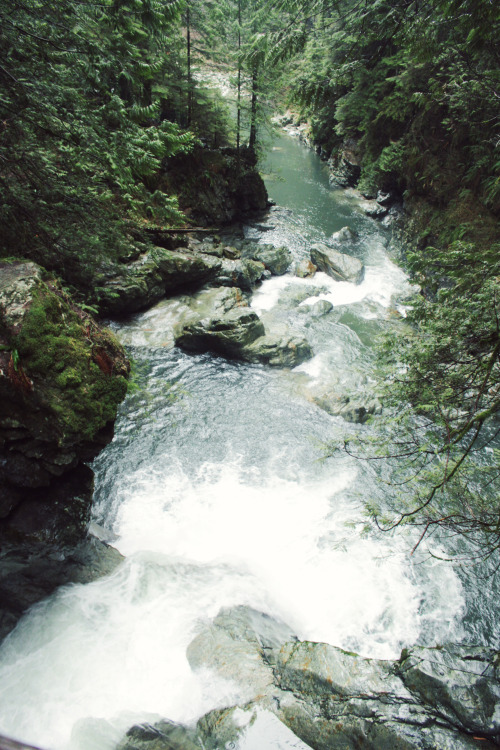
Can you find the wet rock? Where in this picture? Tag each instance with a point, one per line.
(345, 166)
(386, 199)
(165, 735)
(352, 409)
(339, 266)
(31, 570)
(275, 259)
(227, 335)
(330, 698)
(243, 273)
(346, 234)
(320, 308)
(233, 645)
(62, 378)
(216, 186)
(220, 321)
(374, 209)
(126, 289)
(305, 269)
(461, 682)
(283, 349)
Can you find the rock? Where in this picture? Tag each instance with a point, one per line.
(227, 335)
(282, 349)
(62, 378)
(165, 735)
(320, 308)
(346, 165)
(126, 289)
(233, 645)
(216, 186)
(305, 269)
(333, 699)
(346, 234)
(339, 266)
(275, 259)
(220, 321)
(374, 209)
(232, 253)
(239, 273)
(355, 410)
(461, 682)
(31, 570)
(386, 199)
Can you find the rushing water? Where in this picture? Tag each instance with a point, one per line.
(215, 493)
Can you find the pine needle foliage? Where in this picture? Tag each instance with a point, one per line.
(82, 135)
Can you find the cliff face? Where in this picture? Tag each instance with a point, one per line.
(62, 378)
(216, 186)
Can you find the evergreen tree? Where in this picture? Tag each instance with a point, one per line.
(82, 137)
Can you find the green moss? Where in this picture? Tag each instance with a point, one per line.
(77, 368)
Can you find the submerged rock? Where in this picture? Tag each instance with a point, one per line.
(339, 266)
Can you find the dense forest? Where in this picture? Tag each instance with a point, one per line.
(98, 98)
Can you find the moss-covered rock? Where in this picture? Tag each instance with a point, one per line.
(62, 378)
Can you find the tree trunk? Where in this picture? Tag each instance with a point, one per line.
(253, 110)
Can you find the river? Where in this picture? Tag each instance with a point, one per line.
(215, 492)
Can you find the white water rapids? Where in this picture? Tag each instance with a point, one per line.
(216, 496)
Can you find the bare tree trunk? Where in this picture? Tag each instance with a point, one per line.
(189, 81)
(253, 110)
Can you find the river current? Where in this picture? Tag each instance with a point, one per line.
(215, 490)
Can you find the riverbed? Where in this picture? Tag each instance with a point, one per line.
(216, 491)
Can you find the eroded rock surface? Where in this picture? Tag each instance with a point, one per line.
(221, 321)
(62, 377)
(339, 266)
(330, 698)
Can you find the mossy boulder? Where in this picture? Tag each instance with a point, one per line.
(62, 378)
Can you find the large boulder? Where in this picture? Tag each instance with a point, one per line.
(216, 186)
(140, 284)
(345, 165)
(221, 321)
(62, 378)
(244, 273)
(339, 266)
(336, 700)
(462, 683)
(275, 259)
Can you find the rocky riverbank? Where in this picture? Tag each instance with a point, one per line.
(62, 377)
(446, 697)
